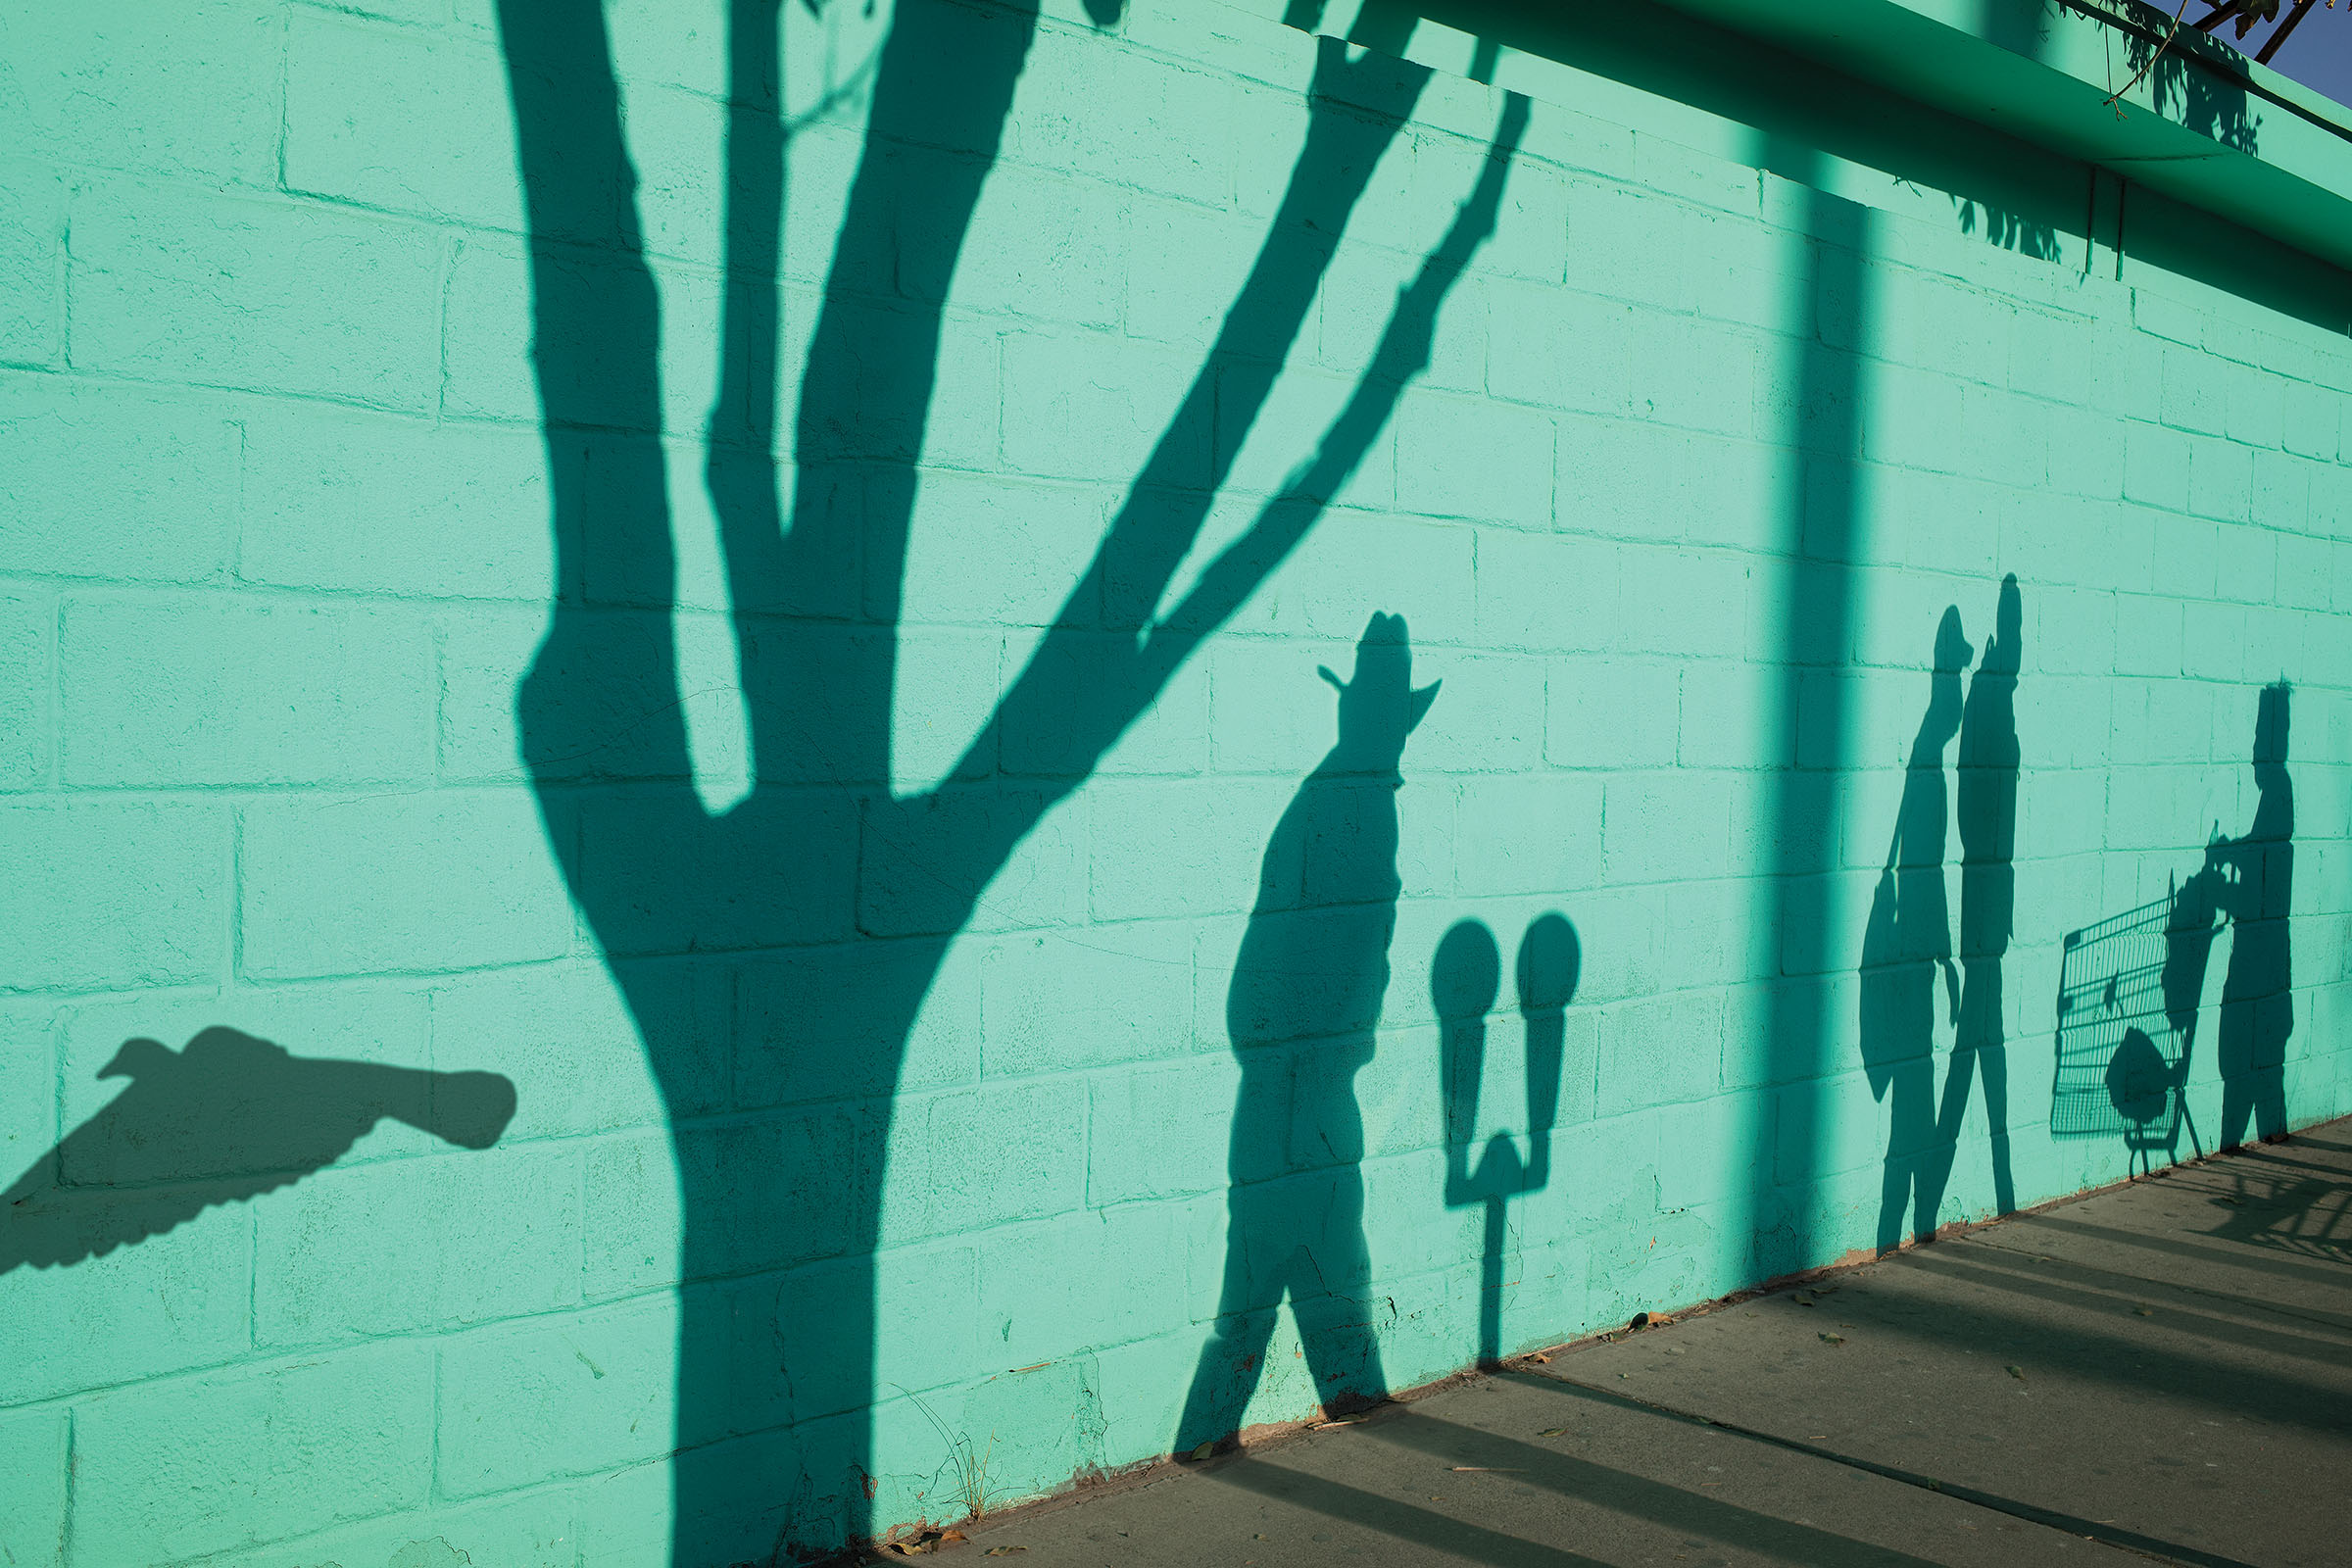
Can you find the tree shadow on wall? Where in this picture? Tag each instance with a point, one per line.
(228, 1118)
(820, 908)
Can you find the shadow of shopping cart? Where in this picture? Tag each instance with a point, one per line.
(2129, 990)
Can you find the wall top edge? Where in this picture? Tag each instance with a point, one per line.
(2207, 125)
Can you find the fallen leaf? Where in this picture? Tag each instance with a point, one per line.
(1003, 1551)
(1552, 1432)
(1205, 1449)
(1832, 1339)
(2017, 1372)
(2144, 1311)
(1541, 1357)
(954, 1534)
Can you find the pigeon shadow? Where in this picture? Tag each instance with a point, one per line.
(226, 1119)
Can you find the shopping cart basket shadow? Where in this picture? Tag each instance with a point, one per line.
(2128, 988)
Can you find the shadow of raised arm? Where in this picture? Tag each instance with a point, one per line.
(1090, 685)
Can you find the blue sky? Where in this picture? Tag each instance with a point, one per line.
(2318, 53)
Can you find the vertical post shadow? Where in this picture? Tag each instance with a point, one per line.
(1821, 531)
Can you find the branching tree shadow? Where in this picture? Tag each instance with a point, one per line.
(819, 909)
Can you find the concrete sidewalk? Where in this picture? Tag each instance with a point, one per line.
(2165, 1369)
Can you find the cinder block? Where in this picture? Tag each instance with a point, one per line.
(32, 241)
(1046, 247)
(576, 1394)
(579, 1059)
(2249, 564)
(828, 1022)
(1174, 130)
(447, 879)
(212, 690)
(1702, 377)
(181, 1135)
(533, 1530)
(1534, 833)
(2193, 396)
(1100, 408)
(633, 1214)
(180, 89)
(2220, 480)
(2085, 454)
(2156, 464)
(406, 120)
(1629, 245)
(1725, 718)
(983, 857)
(113, 893)
(363, 503)
(1468, 458)
(28, 689)
(994, 551)
(1487, 716)
(1107, 997)
(391, 1248)
(1664, 826)
(1184, 265)
(1558, 349)
(802, 1322)
(673, 136)
(967, 1159)
(33, 1511)
(483, 364)
(1683, 602)
(109, 481)
(1274, 440)
(1547, 591)
(257, 294)
(237, 1458)
(1696, 176)
(2213, 642)
(2310, 425)
(1611, 712)
(1180, 846)
(1039, 1284)
(1353, 565)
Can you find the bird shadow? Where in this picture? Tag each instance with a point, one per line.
(226, 1119)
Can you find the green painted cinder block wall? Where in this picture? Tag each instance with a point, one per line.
(713, 620)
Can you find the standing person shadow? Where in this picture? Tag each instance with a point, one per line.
(1985, 782)
(1464, 979)
(2256, 891)
(1301, 1012)
(1908, 938)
